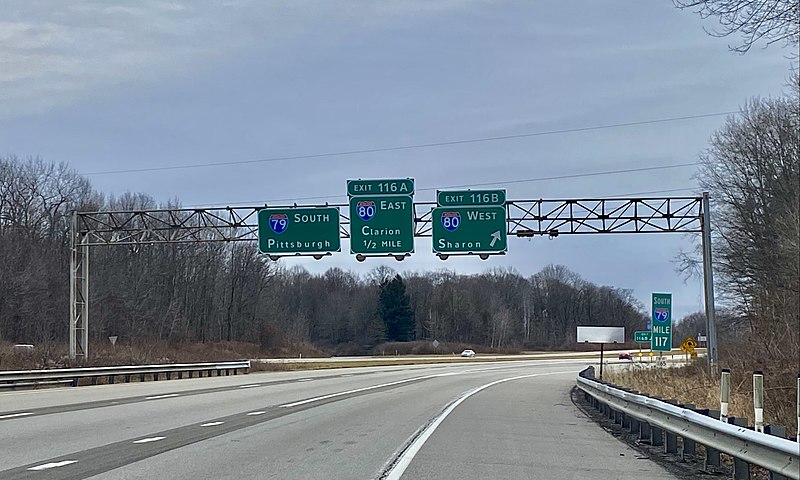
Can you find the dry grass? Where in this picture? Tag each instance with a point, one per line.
(691, 384)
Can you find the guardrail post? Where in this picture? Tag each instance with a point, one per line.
(633, 424)
(169, 375)
(741, 469)
(777, 431)
(724, 394)
(688, 449)
(141, 377)
(671, 439)
(180, 375)
(758, 400)
(127, 379)
(797, 425)
(712, 454)
(656, 436)
(111, 379)
(644, 431)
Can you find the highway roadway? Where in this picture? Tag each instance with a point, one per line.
(503, 420)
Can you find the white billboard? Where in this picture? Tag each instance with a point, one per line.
(601, 334)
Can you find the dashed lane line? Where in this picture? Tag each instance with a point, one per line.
(48, 466)
(150, 439)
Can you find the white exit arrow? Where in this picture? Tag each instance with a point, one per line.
(495, 238)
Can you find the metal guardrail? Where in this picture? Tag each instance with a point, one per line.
(72, 376)
(662, 420)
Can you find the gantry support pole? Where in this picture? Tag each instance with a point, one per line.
(78, 293)
(708, 283)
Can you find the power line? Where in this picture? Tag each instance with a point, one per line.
(501, 182)
(410, 147)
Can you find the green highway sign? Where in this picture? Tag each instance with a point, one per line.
(298, 230)
(469, 230)
(403, 186)
(661, 329)
(641, 336)
(381, 224)
(456, 198)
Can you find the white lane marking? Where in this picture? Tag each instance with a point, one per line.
(15, 415)
(346, 375)
(250, 386)
(211, 424)
(346, 392)
(373, 387)
(305, 380)
(47, 466)
(257, 413)
(151, 439)
(405, 458)
(169, 395)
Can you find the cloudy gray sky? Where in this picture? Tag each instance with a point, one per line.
(109, 86)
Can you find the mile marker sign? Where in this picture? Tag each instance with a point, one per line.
(661, 331)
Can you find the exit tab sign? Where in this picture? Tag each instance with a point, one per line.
(458, 198)
(403, 186)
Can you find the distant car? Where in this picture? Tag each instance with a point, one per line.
(468, 353)
(624, 356)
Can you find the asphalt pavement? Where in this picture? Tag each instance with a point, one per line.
(460, 421)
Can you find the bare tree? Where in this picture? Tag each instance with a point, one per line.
(752, 170)
(774, 21)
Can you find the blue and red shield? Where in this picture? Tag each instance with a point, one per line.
(365, 209)
(451, 221)
(661, 314)
(278, 222)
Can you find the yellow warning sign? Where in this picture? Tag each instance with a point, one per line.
(688, 345)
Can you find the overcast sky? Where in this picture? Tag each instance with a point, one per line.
(108, 86)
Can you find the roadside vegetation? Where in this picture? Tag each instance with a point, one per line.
(149, 296)
(752, 171)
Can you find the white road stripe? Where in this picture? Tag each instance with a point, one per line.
(211, 424)
(47, 466)
(257, 413)
(399, 467)
(250, 386)
(373, 387)
(15, 415)
(305, 380)
(151, 439)
(169, 395)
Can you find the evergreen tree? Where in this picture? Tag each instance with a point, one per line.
(395, 310)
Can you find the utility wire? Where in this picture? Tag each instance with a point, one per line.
(409, 147)
(501, 182)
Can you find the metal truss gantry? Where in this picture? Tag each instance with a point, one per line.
(524, 218)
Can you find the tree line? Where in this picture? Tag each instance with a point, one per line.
(227, 291)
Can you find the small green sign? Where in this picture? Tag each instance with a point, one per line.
(661, 329)
(298, 230)
(381, 224)
(642, 336)
(469, 230)
(456, 198)
(403, 186)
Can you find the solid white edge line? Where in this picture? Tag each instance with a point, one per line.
(150, 439)
(211, 424)
(157, 397)
(15, 415)
(47, 466)
(399, 467)
(250, 386)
